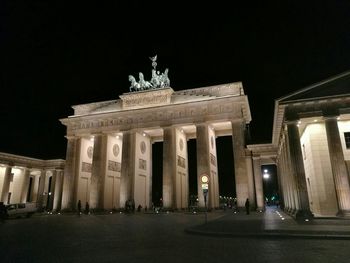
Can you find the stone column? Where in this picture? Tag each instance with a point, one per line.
(207, 164)
(339, 170)
(251, 183)
(286, 179)
(98, 173)
(128, 167)
(280, 185)
(41, 190)
(169, 167)
(292, 179)
(203, 161)
(6, 184)
(58, 191)
(25, 184)
(297, 166)
(259, 190)
(52, 189)
(70, 174)
(241, 178)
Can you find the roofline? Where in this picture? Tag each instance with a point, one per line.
(315, 85)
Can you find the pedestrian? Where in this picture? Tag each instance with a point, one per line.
(139, 208)
(87, 208)
(3, 212)
(235, 207)
(247, 206)
(79, 207)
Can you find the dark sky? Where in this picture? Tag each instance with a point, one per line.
(54, 55)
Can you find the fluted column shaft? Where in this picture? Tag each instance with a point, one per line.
(58, 191)
(203, 161)
(70, 179)
(169, 167)
(6, 184)
(99, 163)
(128, 168)
(25, 184)
(298, 169)
(241, 178)
(259, 190)
(339, 170)
(40, 199)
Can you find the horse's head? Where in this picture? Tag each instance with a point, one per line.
(131, 78)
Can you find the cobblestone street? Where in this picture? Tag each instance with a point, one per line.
(149, 238)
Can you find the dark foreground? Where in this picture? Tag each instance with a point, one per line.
(156, 238)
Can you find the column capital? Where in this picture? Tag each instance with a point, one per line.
(330, 117)
(197, 124)
(70, 137)
(292, 122)
(256, 156)
(241, 120)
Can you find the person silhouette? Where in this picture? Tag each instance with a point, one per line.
(87, 208)
(79, 207)
(247, 206)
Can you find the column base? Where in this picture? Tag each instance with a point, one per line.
(343, 213)
(290, 211)
(304, 215)
(260, 209)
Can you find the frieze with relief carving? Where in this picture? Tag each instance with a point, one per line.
(175, 115)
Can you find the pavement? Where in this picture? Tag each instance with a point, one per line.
(272, 223)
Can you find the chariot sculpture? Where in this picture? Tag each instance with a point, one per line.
(158, 80)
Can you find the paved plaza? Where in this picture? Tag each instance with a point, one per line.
(174, 237)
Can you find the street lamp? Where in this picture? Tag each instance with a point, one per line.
(266, 177)
(266, 174)
(205, 187)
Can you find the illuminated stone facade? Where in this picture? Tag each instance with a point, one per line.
(311, 136)
(109, 152)
(24, 179)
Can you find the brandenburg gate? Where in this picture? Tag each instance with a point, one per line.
(109, 148)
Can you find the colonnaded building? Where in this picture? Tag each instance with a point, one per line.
(109, 150)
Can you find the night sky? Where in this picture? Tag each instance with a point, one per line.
(54, 55)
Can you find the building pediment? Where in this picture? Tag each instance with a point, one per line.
(333, 87)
